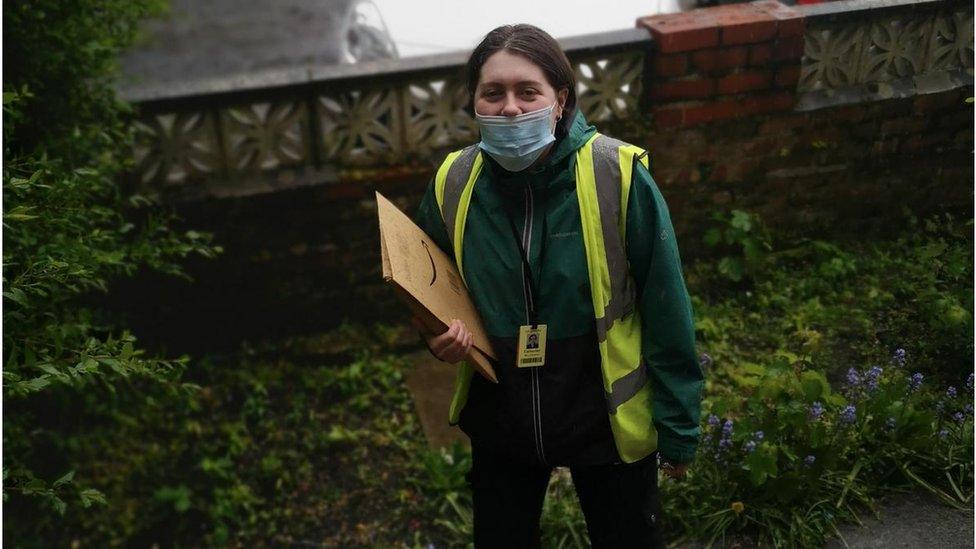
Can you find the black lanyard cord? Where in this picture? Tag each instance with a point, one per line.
(534, 287)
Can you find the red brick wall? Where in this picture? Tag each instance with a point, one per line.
(849, 171)
(723, 133)
(724, 62)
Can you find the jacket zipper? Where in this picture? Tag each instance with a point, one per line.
(536, 398)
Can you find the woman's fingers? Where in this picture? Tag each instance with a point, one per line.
(463, 344)
(457, 345)
(454, 329)
(442, 341)
(454, 344)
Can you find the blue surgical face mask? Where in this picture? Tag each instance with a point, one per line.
(515, 142)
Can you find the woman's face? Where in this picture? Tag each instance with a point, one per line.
(511, 85)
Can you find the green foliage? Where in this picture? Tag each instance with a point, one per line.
(69, 231)
(562, 522)
(782, 335)
(784, 459)
(441, 478)
(841, 303)
(60, 56)
(743, 233)
(267, 449)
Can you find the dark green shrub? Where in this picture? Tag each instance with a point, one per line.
(74, 380)
(786, 457)
(838, 303)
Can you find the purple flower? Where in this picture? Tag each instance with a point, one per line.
(750, 446)
(959, 417)
(809, 460)
(915, 382)
(849, 414)
(969, 382)
(890, 424)
(725, 441)
(951, 392)
(943, 433)
(968, 409)
(816, 410)
(899, 357)
(872, 376)
(853, 379)
(713, 420)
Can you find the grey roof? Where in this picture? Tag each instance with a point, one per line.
(206, 39)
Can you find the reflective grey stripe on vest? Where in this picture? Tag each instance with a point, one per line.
(606, 168)
(626, 387)
(457, 178)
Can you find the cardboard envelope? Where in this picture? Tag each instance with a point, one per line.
(427, 280)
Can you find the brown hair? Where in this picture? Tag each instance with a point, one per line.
(537, 46)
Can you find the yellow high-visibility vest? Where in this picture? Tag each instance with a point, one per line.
(603, 173)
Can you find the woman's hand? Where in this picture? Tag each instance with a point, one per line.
(451, 346)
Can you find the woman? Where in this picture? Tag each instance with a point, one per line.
(528, 257)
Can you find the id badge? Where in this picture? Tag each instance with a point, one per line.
(531, 346)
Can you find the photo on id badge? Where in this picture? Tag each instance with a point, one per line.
(531, 346)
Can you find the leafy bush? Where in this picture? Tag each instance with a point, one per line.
(743, 234)
(840, 304)
(789, 457)
(69, 231)
(441, 478)
(799, 320)
(270, 448)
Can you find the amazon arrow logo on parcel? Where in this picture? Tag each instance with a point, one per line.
(427, 280)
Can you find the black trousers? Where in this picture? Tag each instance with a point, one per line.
(619, 502)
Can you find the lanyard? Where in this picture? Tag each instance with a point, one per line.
(527, 269)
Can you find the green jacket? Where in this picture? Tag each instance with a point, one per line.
(492, 269)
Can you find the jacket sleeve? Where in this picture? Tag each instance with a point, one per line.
(429, 219)
(668, 333)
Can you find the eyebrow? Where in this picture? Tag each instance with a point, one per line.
(519, 83)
